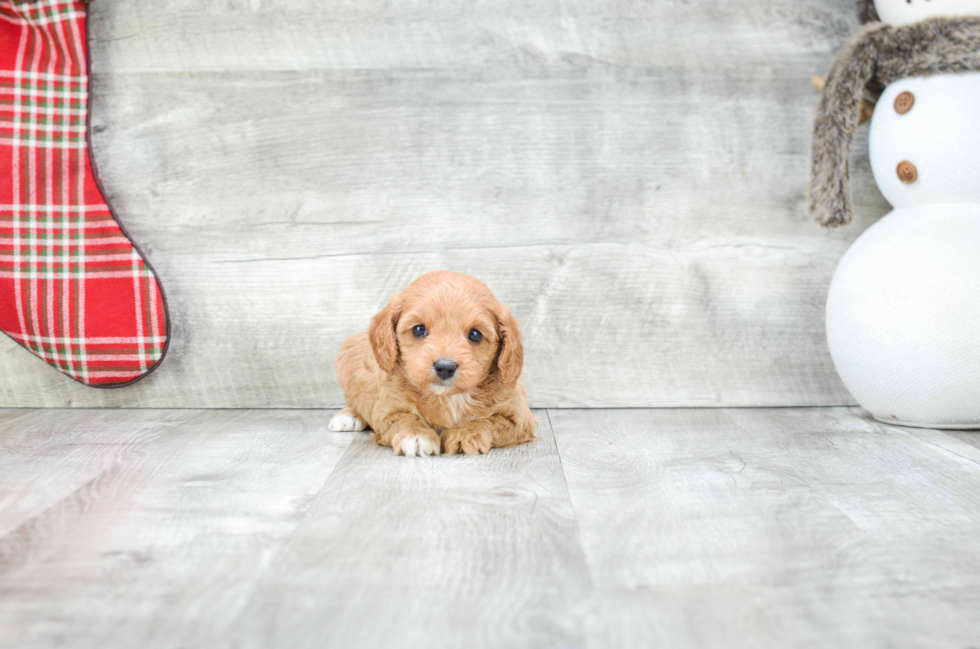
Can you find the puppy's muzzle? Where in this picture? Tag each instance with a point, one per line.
(445, 369)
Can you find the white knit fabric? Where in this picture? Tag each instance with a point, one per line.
(903, 313)
(905, 12)
(940, 135)
(903, 317)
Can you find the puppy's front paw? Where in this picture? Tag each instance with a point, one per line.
(471, 440)
(411, 443)
(346, 421)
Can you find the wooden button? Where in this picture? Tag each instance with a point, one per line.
(904, 101)
(907, 172)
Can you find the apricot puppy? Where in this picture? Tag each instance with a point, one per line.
(439, 370)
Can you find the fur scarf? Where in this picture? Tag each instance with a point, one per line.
(867, 12)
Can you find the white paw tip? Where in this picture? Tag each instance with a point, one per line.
(408, 447)
(344, 422)
(428, 447)
(418, 446)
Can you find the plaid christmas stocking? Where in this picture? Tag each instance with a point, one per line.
(73, 289)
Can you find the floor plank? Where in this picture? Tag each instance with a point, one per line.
(161, 547)
(620, 528)
(790, 528)
(971, 437)
(47, 455)
(446, 552)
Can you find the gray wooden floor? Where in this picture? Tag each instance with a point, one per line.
(619, 528)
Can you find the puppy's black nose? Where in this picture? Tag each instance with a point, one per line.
(444, 369)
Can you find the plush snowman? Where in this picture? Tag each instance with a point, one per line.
(903, 312)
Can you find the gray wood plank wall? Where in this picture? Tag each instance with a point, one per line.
(628, 175)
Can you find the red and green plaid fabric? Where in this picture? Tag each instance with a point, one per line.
(73, 288)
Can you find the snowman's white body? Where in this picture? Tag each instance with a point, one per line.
(903, 313)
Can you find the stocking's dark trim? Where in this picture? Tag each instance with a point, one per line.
(115, 216)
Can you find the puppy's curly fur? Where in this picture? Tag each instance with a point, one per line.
(878, 55)
(390, 383)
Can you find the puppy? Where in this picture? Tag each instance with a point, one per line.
(439, 370)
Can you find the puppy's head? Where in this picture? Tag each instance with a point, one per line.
(447, 333)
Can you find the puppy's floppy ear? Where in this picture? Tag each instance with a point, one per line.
(382, 335)
(510, 361)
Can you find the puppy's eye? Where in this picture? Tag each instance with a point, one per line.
(475, 335)
(419, 331)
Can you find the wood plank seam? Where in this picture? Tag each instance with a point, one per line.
(18, 541)
(596, 595)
